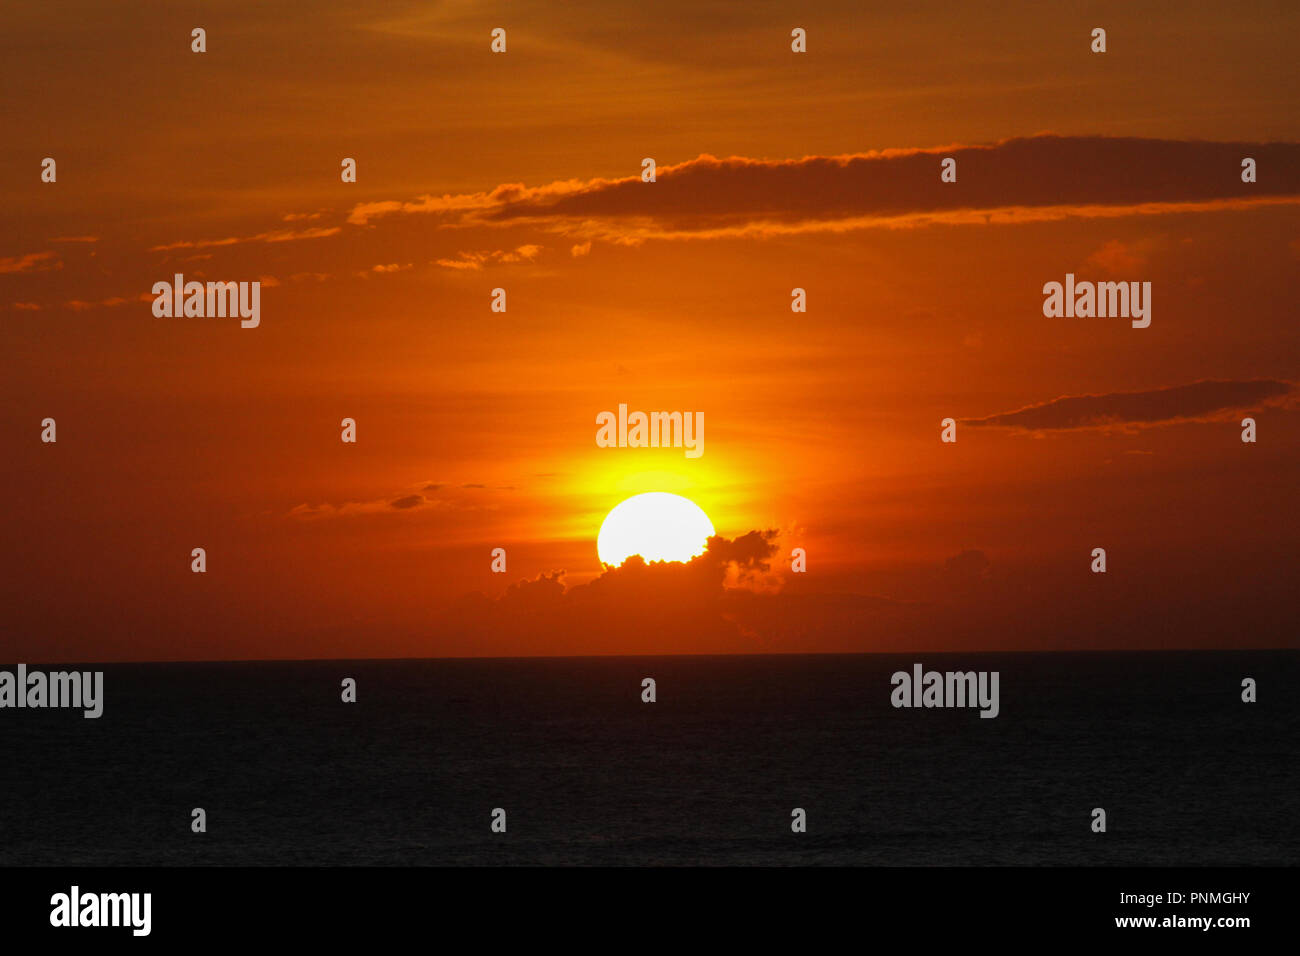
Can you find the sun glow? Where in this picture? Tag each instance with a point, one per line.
(656, 525)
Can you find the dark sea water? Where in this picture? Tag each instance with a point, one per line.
(588, 774)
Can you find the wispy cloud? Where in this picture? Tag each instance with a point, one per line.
(477, 260)
(31, 262)
(1197, 401)
(423, 496)
(1018, 180)
(1116, 257)
(275, 235)
(81, 305)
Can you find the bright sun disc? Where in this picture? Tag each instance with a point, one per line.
(656, 525)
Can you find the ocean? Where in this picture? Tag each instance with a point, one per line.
(708, 774)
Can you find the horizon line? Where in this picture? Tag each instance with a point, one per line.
(584, 657)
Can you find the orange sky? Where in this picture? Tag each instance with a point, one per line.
(521, 171)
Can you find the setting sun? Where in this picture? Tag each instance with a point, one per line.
(656, 525)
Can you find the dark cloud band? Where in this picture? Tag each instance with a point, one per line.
(1181, 402)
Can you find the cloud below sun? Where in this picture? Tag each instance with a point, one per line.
(633, 603)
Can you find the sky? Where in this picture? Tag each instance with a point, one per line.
(522, 170)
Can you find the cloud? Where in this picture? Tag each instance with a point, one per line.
(75, 239)
(31, 262)
(467, 262)
(306, 511)
(636, 581)
(1116, 257)
(477, 260)
(688, 607)
(1205, 400)
(363, 213)
(353, 508)
(1017, 180)
(630, 603)
(80, 305)
(406, 501)
(275, 235)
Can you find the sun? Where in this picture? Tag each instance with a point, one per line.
(656, 525)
